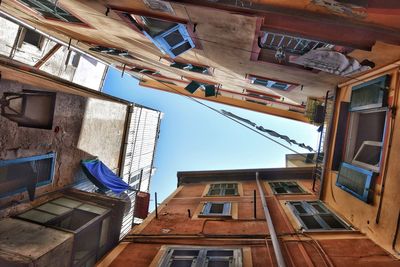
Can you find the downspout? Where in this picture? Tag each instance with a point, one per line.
(274, 237)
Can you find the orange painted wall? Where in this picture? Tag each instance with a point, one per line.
(173, 227)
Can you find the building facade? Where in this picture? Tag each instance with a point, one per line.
(222, 51)
(218, 218)
(52, 119)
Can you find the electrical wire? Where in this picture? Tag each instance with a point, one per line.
(224, 115)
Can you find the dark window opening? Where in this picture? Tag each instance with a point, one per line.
(223, 190)
(49, 9)
(289, 187)
(313, 215)
(190, 67)
(26, 174)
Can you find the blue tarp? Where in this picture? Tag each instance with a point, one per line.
(103, 177)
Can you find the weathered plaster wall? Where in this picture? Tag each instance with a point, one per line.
(359, 213)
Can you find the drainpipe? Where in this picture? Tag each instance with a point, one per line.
(274, 238)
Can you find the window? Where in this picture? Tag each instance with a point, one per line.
(367, 123)
(191, 67)
(230, 189)
(209, 89)
(111, 51)
(143, 70)
(89, 223)
(291, 44)
(286, 188)
(270, 83)
(202, 257)
(27, 173)
(50, 10)
(372, 94)
(313, 215)
(31, 37)
(171, 38)
(355, 180)
(216, 209)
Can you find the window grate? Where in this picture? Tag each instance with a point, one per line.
(291, 44)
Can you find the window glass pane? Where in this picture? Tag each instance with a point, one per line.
(217, 208)
(181, 263)
(155, 26)
(32, 37)
(92, 208)
(310, 222)
(67, 202)
(294, 189)
(174, 38)
(182, 48)
(332, 221)
(74, 220)
(230, 192)
(225, 253)
(185, 252)
(53, 208)
(299, 208)
(280, 190)
(37, 216)
(16, 176)
(318, 207)
(215, 192)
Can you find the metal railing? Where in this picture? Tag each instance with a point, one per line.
(323, 144)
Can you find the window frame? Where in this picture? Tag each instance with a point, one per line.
(207, 206)
(201, 259)
(171, 62)
(382, 81)
(251, 78)
(222, 193)
(285, 185)
(367, 186)
(34, 11)
(310, 211)
(132, 18)
(51, 155)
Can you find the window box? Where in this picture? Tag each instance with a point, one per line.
(314, 215)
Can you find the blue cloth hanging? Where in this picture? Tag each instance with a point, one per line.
(101, 176)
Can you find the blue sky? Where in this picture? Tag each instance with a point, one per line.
(195, 138)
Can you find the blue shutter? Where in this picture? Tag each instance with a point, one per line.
(355, 180)
(174, 41)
